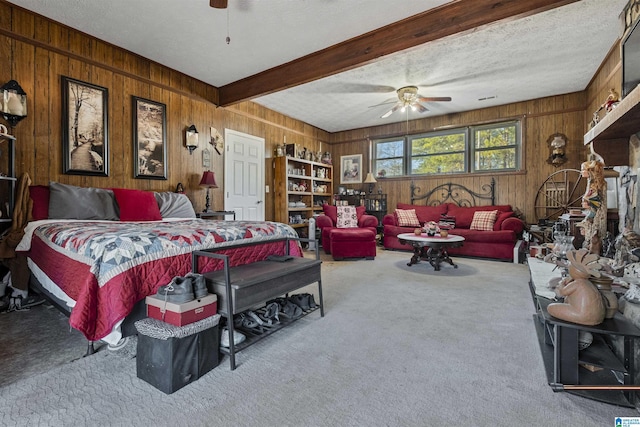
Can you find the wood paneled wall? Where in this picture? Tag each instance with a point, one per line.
(540, 118)
(36, 52)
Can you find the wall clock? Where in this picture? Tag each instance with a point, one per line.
(217, 140)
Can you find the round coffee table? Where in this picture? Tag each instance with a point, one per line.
(431, 248)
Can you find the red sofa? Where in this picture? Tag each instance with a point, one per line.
(497, 244)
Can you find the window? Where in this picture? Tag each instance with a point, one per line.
(389, 157)
(495, 147)
(485, 148)
(438, 153)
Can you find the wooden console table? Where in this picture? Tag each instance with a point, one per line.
(610, 379)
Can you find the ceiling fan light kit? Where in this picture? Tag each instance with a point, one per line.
(408, 96)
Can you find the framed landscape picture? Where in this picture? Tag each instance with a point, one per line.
(149, 139)
(85, 142)
(351, 169)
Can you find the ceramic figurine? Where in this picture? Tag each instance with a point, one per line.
(583, 303)
(326, 158)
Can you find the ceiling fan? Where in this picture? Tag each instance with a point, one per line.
(408, 97)
(218, 4)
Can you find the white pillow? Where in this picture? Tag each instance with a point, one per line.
(174, 205)
(346, 217)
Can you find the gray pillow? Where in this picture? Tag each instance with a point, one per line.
(174, 205)
(71, 202)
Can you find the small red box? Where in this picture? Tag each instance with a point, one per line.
(182, 314)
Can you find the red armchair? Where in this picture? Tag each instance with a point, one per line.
(356, 242)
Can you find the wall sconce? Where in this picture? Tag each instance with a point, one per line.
(557, 143)
(191, 138)
(13, 102)
(208, 180)
(371, 181)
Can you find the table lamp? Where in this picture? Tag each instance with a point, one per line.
(208, 180)
(370, 180)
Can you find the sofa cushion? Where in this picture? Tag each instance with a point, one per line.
(500, 219)
(407, 218)
(483, 220)
(464, 214)
(346, 217)
(425, 213)
(488, 238)
(331, 212)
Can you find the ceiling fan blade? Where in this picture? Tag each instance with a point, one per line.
(434, 98)
(421, 108)
(387, 102)
(218, 4)
(390, 112)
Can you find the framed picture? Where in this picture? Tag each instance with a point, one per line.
(149, 139)
(85, 136)
(351, 169)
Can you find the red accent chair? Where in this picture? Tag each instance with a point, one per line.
(357, 242)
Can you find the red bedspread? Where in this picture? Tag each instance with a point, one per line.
(107, 267)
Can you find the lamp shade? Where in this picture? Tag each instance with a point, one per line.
(370, 179)
(208, 180)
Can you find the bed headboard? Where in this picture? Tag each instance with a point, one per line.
(454, 193)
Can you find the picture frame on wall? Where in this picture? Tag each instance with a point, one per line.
(351, 169)
(85, 130)
(149, 138)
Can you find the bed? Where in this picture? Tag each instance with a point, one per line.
(102, 269)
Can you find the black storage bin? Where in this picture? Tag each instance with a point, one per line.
(170, 357)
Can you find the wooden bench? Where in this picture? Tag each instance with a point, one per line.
(244, 287)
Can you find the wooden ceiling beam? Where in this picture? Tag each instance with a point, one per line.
(457, 17)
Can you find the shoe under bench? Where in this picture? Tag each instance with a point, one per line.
(244, 287)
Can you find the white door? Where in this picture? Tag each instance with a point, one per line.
(244, 175)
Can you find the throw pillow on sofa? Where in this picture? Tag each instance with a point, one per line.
(407, 218)
(447, 222)
(346, 217)
(483, 220)
(464, 214)
(426, 213)
(332, 212)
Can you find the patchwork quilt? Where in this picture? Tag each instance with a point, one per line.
(106, 267)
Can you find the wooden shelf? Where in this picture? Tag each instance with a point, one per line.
(622, 122)
(307, 171)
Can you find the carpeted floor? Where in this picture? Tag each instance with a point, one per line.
(398, 346)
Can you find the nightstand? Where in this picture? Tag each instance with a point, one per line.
(216, 214)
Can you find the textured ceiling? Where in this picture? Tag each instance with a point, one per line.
(546, 54)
